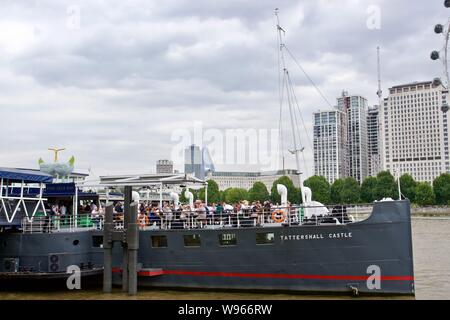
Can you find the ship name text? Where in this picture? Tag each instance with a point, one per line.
(316, 236)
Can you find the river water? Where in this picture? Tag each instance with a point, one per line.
(431, 243)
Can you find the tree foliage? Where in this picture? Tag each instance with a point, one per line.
(213, 192)
(424, 194)
(320, 188)
(234, 195)
(368, 189)
(386, 186)
(441, 187)
(408, 186)
(258, 192)
(345, 191)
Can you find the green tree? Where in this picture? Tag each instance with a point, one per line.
(234, 195)
(424, 194)
(182, 197)
(408, 186)
(258, 192)
(441, 187)
(386, 186)
(368, 189)
(213, 192)
(320, 188)
(336, 190)
(293, 192)
(345, 191)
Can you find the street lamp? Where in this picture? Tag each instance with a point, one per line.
(442, 55)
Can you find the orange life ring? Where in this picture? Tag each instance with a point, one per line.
(276, 216)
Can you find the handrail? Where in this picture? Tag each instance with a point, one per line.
(58, 223)
(187, 219)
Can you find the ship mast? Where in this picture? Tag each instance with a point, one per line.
(286, 84)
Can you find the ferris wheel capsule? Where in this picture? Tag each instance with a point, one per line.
(436, 82)
(439, 28)
(434, 55)
(447, 3)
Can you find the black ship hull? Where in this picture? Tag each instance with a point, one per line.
(373, 256)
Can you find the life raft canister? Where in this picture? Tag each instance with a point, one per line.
(278, 216)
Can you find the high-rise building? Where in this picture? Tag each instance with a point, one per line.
(373, 145)
(415, 130)
(355, 107)
(193, 161)
(330, 144)
(164, 166)
(197, 162)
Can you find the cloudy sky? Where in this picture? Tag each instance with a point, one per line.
(115, 82)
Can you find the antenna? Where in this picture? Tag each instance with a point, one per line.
(290, 97)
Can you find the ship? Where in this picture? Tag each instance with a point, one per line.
(305, 248)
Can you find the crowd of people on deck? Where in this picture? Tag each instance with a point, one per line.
(150, 213)
(201, 212)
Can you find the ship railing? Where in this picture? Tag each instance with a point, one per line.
(277, 216)
(62, 223)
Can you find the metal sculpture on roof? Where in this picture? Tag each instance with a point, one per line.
(57, 169)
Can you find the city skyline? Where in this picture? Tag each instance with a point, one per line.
(171, 57)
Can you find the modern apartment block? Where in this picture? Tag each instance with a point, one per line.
(355, 107)
(330, 144)
(415, 130)
(373, 140)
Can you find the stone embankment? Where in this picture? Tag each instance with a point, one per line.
(431, 211)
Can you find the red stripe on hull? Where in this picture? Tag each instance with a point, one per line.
(266, 275)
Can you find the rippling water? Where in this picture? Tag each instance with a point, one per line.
(431, 242)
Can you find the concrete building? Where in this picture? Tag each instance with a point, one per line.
(355, 107)
(373, 145)
(246, 180)
(415, 130)
(164, 166)
(330, 144)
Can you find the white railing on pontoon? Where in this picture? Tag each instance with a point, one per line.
(59, 223)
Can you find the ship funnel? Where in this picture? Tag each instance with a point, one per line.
(175, 197)
(282, 190)
(188, 195)
(135, 198)
(308, 194)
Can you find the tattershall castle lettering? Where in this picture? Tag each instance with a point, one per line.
(316, 236)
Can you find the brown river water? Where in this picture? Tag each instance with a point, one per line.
(431, 242)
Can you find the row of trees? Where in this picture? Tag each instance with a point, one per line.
(348, 190)
(344, 190)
